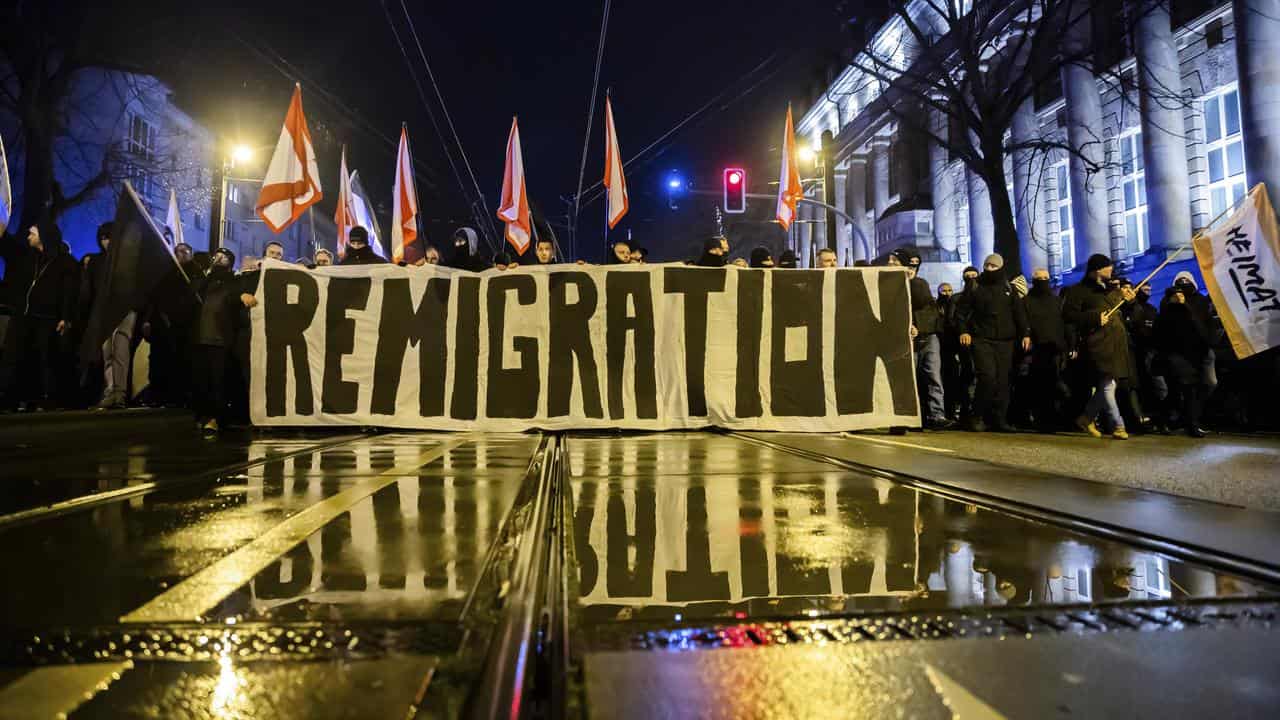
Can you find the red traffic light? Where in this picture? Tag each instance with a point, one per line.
(735, 190)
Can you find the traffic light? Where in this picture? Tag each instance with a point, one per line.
(735, 190)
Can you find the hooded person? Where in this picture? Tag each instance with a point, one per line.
(213, 338)
(712, 253)
(1049, 348)
(41, 268)
(1182, 341)
(760, 258)
(787, 259)
(358, 250)
(1202, 307)
(1087, 308)
(465, 246)
(927, 342)
(992, 323)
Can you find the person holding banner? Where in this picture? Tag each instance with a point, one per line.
(213, 336)
(358, 250)
(465, 257)
(1088, 308)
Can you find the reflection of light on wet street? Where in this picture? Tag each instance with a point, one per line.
(227, 688)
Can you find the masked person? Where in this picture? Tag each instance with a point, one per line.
(213, 335)
(1049, 349)
(960, 397)
(358, 250)
(1088, 308)
(1202, 308)
(927, 342)
(712, 253)
(787, 259)
(994, 322)
(465, 243)
(760, 258)
(1182, 341)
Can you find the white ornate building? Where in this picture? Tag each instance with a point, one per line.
(1170, 167)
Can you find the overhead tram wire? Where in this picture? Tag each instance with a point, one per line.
(484, 205)
(591, 115)
(293, 74)
(444, 142)
(597, 189)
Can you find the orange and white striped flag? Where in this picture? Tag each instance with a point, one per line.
(404, 214)
(614, 180)
(790, 191)
(292, 183)
(514, 210)
(345, 216)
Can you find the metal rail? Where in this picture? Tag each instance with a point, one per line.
(1204, 556)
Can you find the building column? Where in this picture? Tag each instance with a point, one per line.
(819, 236)
(982, 227)
(1115, 197)
(942, 188)
(844, 247)
(1257, 26)
(880, 175)
(1164, 142)
(807, 216)
(1084, 123)
(1197, 163)
(1028, 208)
(856, 206)
(1053, 242)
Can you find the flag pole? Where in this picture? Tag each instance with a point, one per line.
(1142, 284)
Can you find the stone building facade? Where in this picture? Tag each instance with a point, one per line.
(1169, 167)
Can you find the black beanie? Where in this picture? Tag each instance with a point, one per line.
(1097, 262)
(358, 234)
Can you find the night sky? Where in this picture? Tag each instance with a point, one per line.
(231, 65)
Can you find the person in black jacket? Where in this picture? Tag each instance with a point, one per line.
(213, 335)
(465, 247)
(993, 319)
(1087, 308)
(928, 343)
(45, 282)
(1050, 348)
(1182, 341)
(960, 383)
(358, 250)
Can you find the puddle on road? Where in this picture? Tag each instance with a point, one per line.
(707, 526)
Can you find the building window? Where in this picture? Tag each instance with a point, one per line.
(1224, 148)
(1213, 33)
(141, 145)
(1066, 237)
(1134, 183)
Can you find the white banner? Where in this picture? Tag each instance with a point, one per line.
(649, 347)
(1240, 261)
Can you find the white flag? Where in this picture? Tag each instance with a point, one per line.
(6, 194)
(292, 183)
(613, 177)
(404, 208)
(1240, 261)
(173, 221)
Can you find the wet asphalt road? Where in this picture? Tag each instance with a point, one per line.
(362, 576)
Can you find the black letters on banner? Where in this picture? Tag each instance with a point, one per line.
(570, 338)
(797, 386)
(466, 371)
(338, 395)
(427, 329)
(696, 286)
(750, 311)
(512, 393)
(861, 338)
(619, 287)
(284, 324)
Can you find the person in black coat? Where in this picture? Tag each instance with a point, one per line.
(358, 250)
(760, 258)
(1087, 309)
(465, 245)
(1182, 341)
(992, 320)
(45, 284)
(1049, 351)
(713, 253)
(214, 333)
(927, 342)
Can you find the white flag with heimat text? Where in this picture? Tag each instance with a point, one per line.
(1240, 261)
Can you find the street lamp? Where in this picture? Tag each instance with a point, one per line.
(241, 154)
(807, 153)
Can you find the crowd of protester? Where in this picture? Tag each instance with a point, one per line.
(1096, 356)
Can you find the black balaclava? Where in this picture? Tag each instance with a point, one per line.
(787, 259)
(710, 259)
(1040, 287)
(758, 258)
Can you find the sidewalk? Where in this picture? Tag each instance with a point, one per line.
(1235, 470)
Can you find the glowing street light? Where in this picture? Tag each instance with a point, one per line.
(241, 154)
(806, 153)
